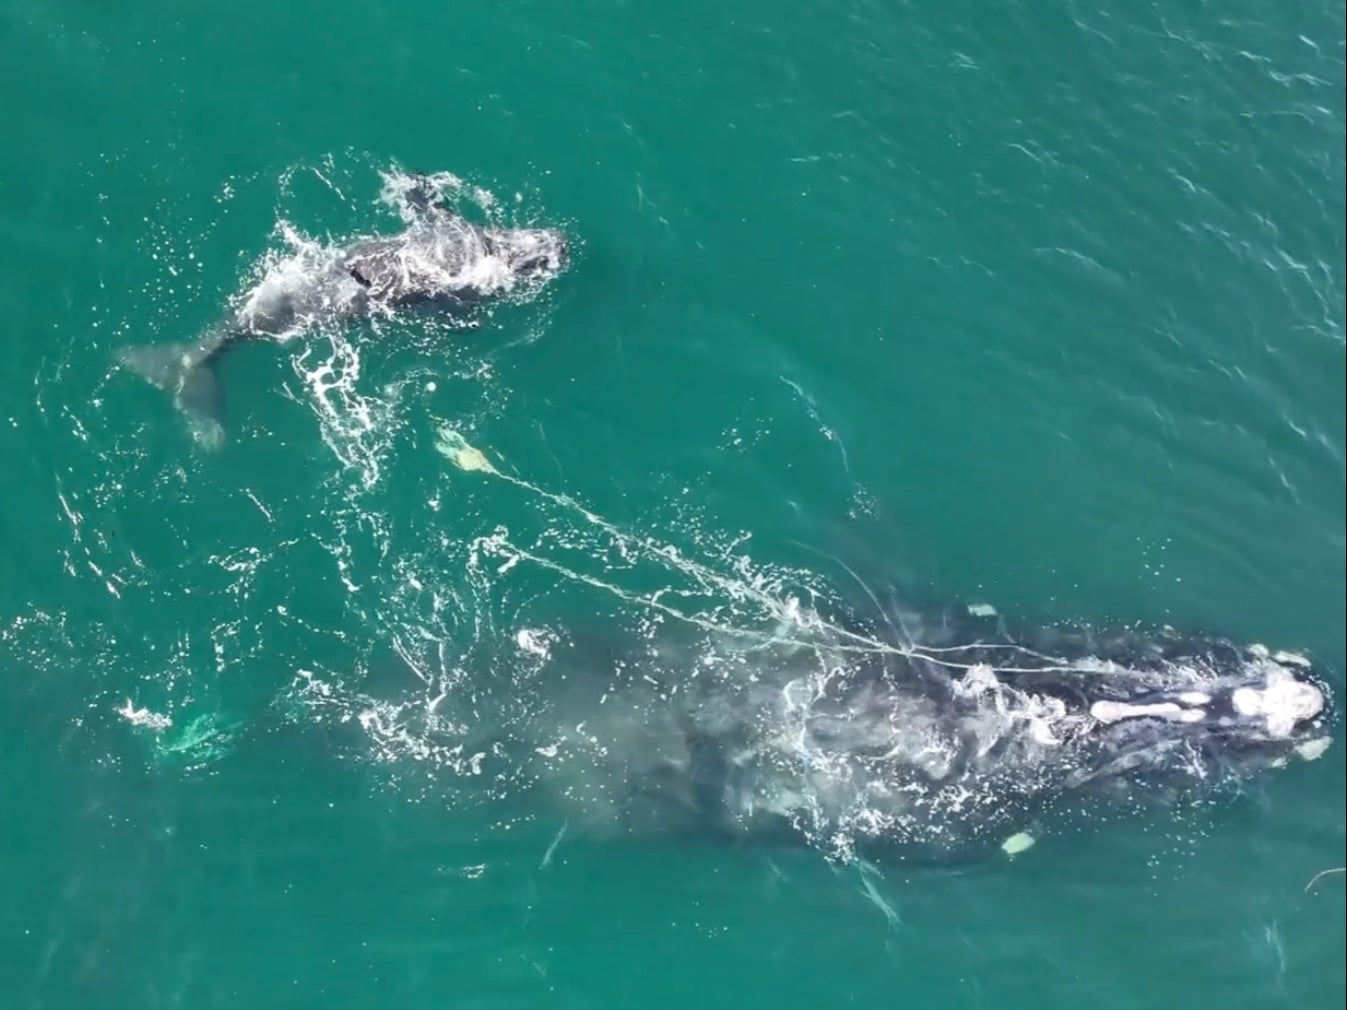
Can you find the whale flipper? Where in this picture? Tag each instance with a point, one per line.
(186, 371)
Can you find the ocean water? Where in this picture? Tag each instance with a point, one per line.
(1036, 304)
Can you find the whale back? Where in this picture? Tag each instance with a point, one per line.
(927, 751)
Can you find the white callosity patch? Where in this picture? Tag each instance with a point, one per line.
(1269, 695)
(1115, 711)
(1283, 702)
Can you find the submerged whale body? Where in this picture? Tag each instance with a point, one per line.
(943, 750)
(440, 262)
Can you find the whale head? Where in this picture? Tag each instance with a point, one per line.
(942, 750)
(1220, 713)
(536, 254)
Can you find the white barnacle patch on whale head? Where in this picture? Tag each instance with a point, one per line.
(1287, 701)
(1247, 701)
(1282, 702)
(1116, 711)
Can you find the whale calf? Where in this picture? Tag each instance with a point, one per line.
(440, 262)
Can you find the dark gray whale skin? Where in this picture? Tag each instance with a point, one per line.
(440, 262)
(932, 753)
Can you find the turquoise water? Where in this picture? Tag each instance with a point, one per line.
(1034, 303)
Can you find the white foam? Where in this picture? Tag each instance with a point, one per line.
(396, 186)
(1041, 732)
(143, 717)
(532, 641)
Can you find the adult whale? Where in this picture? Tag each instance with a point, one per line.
(942, 743)
(943, 746)
(439, 262)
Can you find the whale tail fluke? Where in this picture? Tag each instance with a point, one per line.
(185, 371)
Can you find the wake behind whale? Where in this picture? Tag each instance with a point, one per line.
(440, 262)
